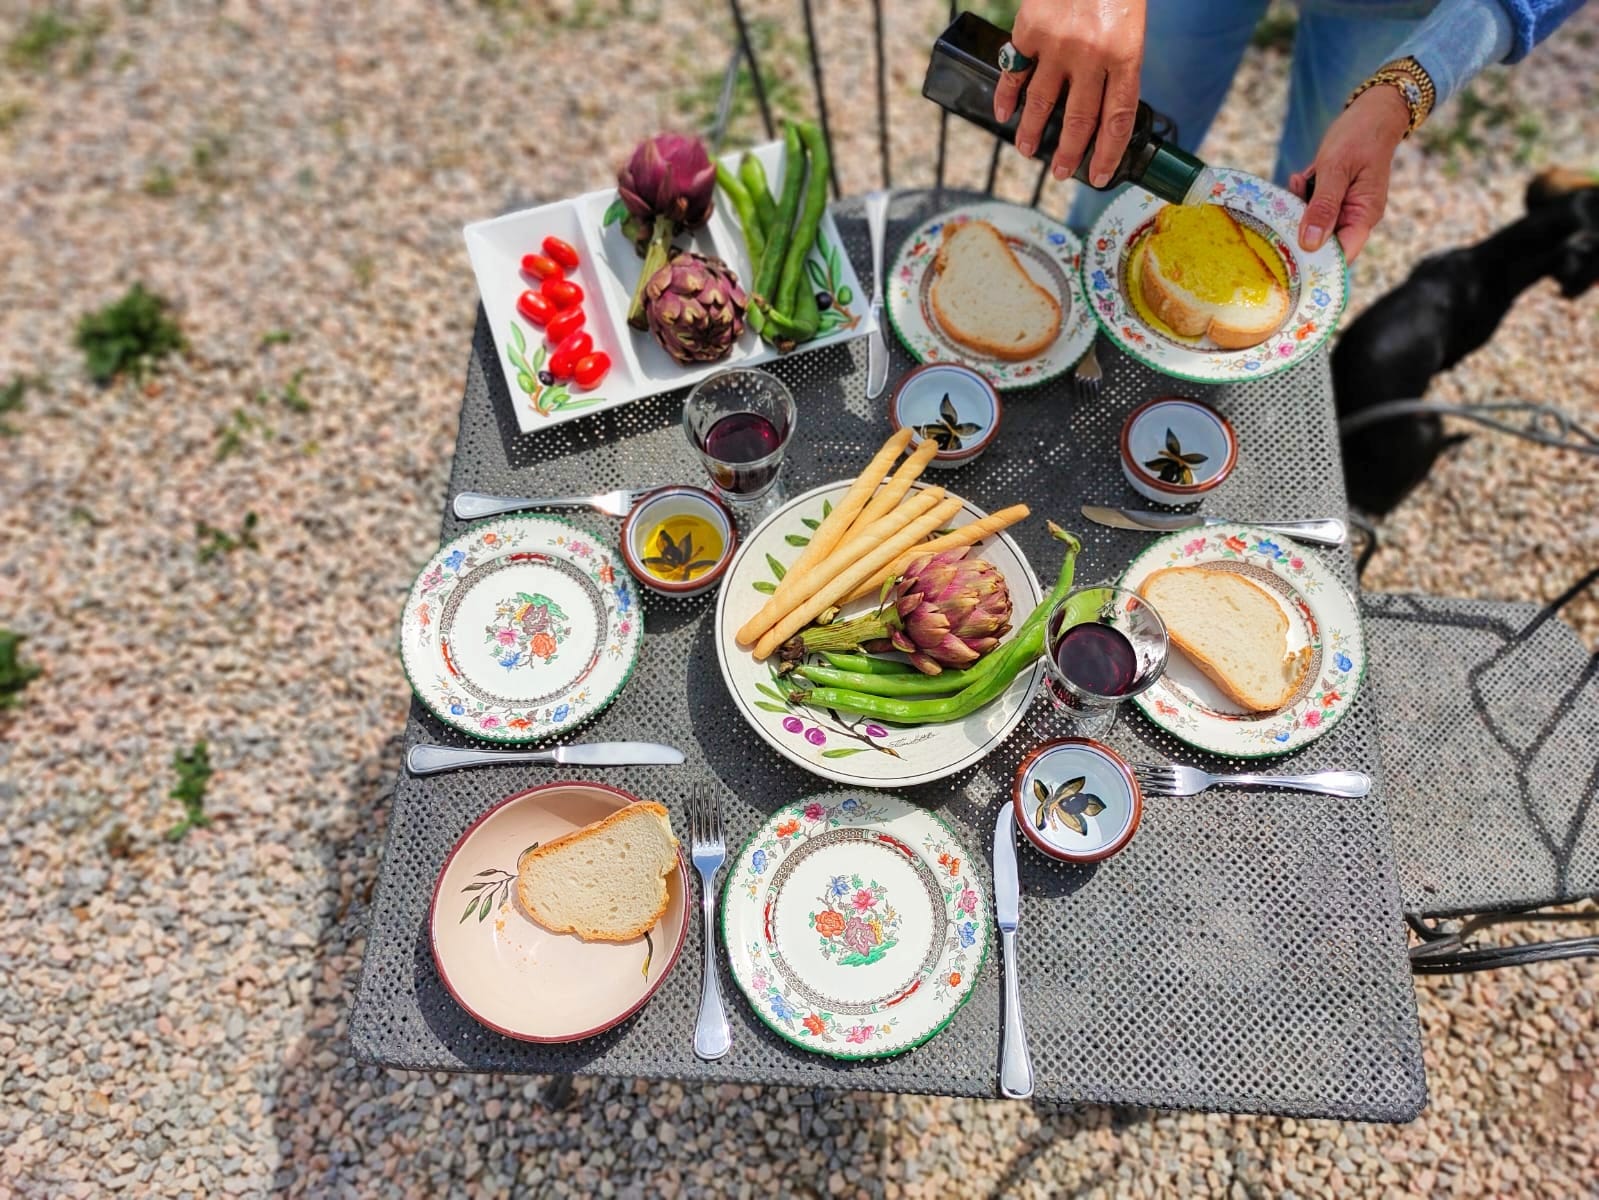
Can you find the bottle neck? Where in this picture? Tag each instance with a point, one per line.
(1170, 172)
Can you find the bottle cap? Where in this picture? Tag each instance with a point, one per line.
(1172, 174)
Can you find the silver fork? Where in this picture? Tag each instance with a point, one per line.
(708, 846)
(473, 506)
(1174, 780)
(1088, 374)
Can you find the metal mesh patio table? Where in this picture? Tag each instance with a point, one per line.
(1244, 953)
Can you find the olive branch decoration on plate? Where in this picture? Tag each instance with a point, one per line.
(767, 586)
(1068, 804)
(678, 556)
(544, 393)
(1172, 465)
(949, 429)
(833, 295)
(493, 888)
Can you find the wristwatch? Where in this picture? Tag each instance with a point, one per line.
(1415, 88)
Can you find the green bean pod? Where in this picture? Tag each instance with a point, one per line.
(799, 247)
(904, 686)
(744, 207)
(772, 262)
(867, 665)
(754, 177)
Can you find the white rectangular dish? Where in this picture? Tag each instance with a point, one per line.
(607, 273)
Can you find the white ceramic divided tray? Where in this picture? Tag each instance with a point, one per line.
(607, 274)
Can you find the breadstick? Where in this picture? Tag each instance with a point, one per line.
(865, 569)
(894, 490)
(861, 542)
(964, 536)
(834, 526)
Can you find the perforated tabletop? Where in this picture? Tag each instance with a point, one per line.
(1244, 953)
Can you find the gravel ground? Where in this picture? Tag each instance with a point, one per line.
(172, 1014)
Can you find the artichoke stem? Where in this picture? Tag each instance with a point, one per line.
(843, 635)
(656, 256)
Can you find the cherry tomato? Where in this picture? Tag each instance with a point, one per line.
(535, 308)
(561, 252)
(591, 368)
(540, 267)
(563, 324)
(575, 345)
(562, 293)
(560, 365)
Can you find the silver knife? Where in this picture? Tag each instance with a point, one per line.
(876, 347)
(428, 759)
(1330, 532)
(1015, 1064)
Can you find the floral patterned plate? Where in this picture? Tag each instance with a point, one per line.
(506, 969)
(855, 924)
(1317, 285)
(520, 628)
(1049, 252)
(838, 746)
(1321, 614)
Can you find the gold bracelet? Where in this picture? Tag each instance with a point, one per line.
(1414, 84)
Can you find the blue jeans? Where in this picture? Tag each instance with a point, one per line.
(1192, 49)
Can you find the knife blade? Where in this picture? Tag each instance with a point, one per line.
(1330, 532)
(427, 758)
(876, 347)
(1015, 1063)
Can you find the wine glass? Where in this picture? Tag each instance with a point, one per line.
(740, 421)
(1103, 645)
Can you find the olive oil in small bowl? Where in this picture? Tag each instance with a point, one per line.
(678, 541)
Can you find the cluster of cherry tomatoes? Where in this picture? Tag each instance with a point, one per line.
(556, 308)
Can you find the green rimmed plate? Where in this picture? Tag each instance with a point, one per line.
(1317, 283)
(1046, 249)
(854, 924)
(520, 628)
(1321, 614)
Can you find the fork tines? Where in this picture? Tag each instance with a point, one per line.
(1155, 778)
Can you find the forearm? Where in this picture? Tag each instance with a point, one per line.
(1457, 40)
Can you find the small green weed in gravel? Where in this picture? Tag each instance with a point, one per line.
(11, 402)
(12, 111)
(14, 673)
(275, 337)
(41, 35)
(782, 56)
(214, 542)
(207, 155)
(292, 397)
(1276, 30)
(159, 182)
(194, 772)
(128, 335)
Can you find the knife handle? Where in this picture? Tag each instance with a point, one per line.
(1330, 532)
(1015, 1063)
(876, 220)
(428, 759)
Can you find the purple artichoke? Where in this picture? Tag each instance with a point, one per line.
(946, 610)
(695, 308)
(667, 186)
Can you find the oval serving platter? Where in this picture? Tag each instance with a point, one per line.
(854, 924)
(520, 628)
(1321, 614)
(508, 971)
(849, 749)
(1047, 250)
(1317, 283)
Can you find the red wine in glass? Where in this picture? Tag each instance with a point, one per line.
(743, 437)
(1098, 659)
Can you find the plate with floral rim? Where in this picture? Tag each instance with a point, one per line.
(1317, 282)
(855, 924)
(508, 971)
(1321, 615)
(520, 628)
(848, 749)
(1047, 250)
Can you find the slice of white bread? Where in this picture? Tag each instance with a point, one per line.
(1201, 277)
(984, 298)
(1232, 630)
(605, 882)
